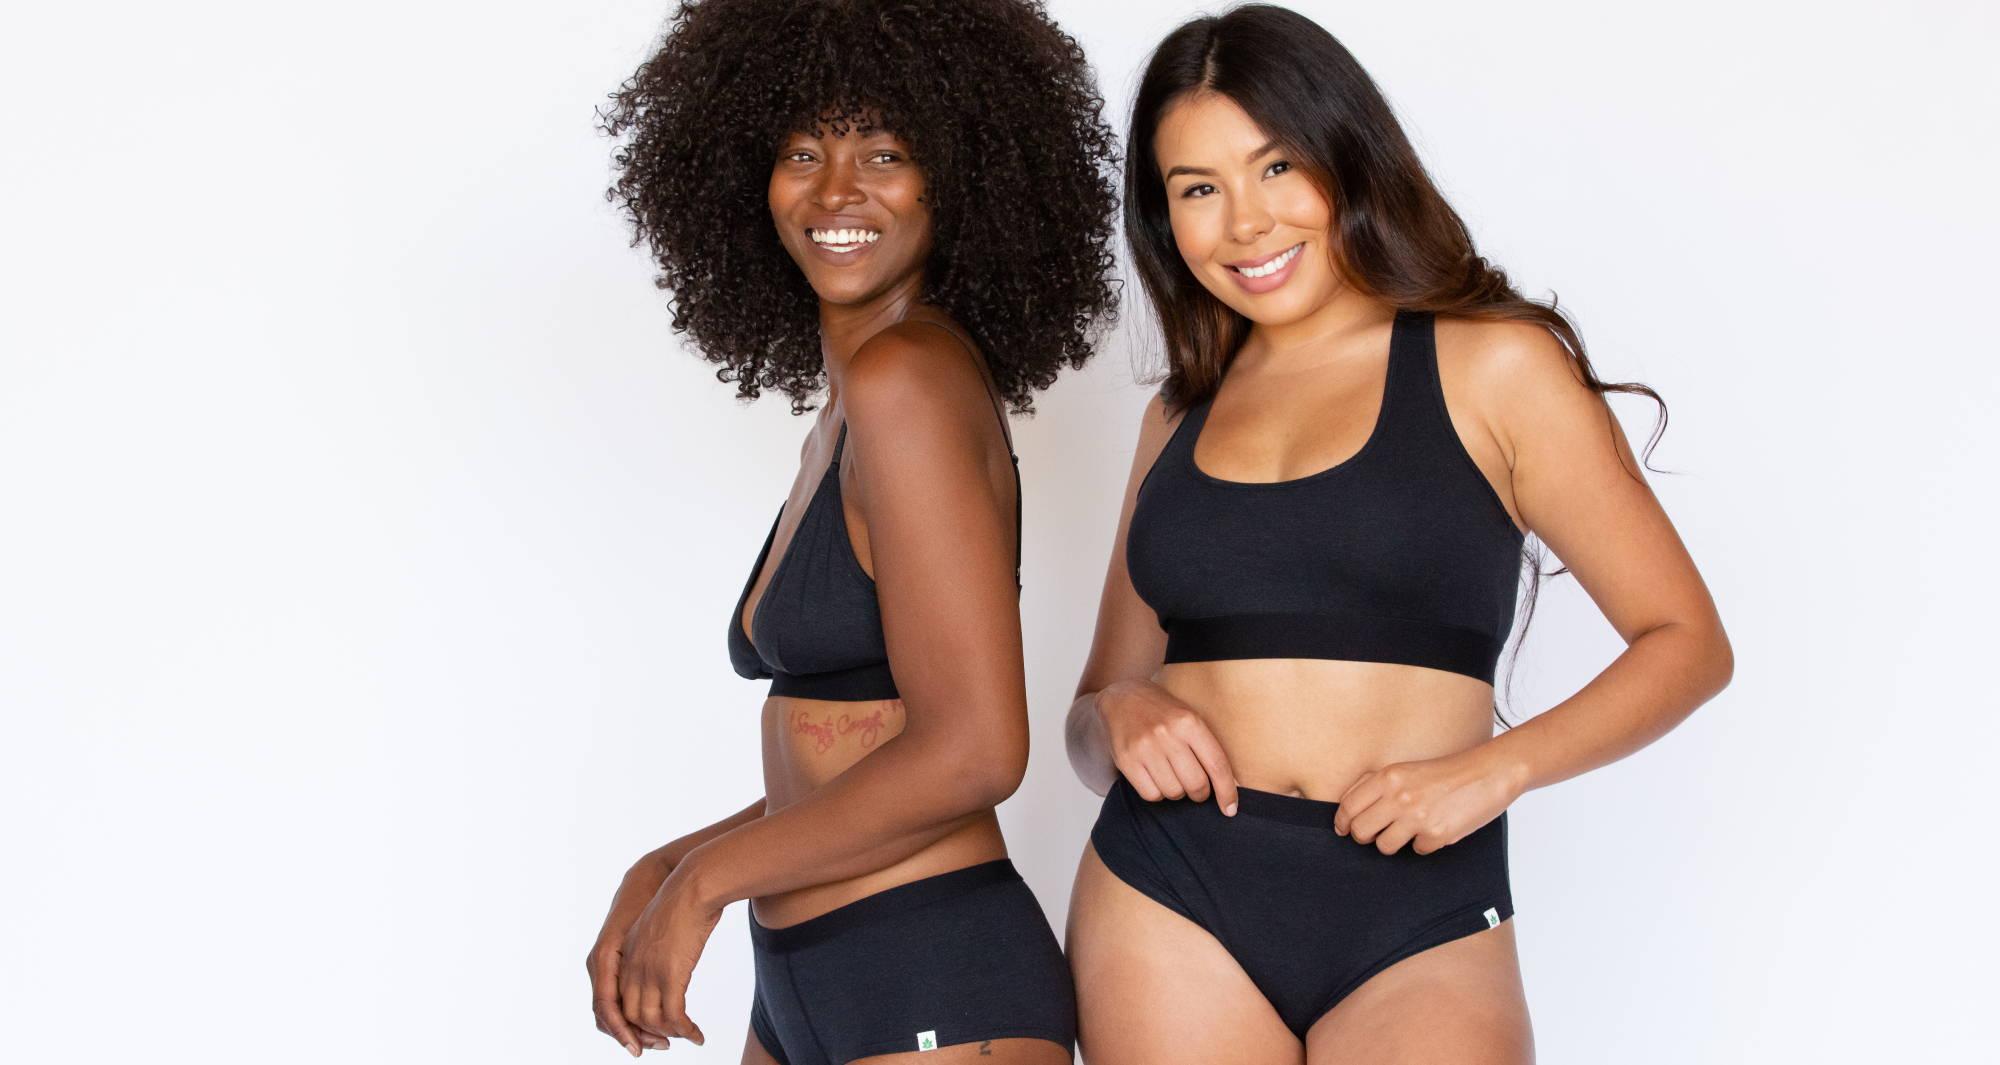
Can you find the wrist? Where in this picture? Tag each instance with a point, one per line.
(652, 867)
(1114, 694)
(695, 878)
(1506, 765)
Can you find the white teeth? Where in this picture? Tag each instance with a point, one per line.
(1273, 266)
(843, 240)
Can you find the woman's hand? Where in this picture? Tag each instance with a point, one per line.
(634, 893)
(1163, 747)
(1433, 803)
(659, 954)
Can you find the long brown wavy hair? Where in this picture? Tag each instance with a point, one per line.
(1397, 240)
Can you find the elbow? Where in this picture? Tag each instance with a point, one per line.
(1092, 768)
(990, 789)
(1721, 659)
(1707, 660)
(986, 787)
(985, 775)
(1096, 773)
(1698, 653)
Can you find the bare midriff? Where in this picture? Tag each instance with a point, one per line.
(1311, 727)
(807, 743)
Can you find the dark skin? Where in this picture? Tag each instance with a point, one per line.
(861, 796)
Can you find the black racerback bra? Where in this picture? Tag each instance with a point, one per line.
(818, 625)
(1403, 553)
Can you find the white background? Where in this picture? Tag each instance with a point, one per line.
(366, 538)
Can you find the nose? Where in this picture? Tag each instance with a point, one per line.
(1249, 218)
(837, 188)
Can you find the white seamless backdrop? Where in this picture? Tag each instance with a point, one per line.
(366, 536)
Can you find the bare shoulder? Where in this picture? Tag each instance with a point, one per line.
(1507, 356)
(1156, 426)
(1157, 422)
(913, 370)
(1514, 377)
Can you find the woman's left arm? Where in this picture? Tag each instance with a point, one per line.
(1579, 488)
(941, 538)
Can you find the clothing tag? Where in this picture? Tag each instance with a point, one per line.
(1492, 918)
(927, 1040)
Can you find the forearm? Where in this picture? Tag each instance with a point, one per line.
(1659, 679)
(645, 876)
(1089, 744)
(885, 808)
(672, 854)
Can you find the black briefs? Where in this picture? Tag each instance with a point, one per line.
(1309, 915)
(961, 957)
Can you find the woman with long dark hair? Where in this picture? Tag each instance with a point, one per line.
(902, 209)
(1289, 703)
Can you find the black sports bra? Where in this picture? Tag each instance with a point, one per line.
(818, 626)
(1402, 553)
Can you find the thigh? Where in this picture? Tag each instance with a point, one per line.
(753, 1050)
(985, 1052)
(1460, 1002)
(1153, 986)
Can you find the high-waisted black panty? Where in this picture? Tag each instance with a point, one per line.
(1309, 915)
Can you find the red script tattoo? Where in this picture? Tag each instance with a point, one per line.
(824, 733)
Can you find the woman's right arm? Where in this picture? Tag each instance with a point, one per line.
(1122, 722)
(634, 892)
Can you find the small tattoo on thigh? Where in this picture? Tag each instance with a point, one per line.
(986, 1049)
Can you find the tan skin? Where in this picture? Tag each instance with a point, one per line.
(861, 796)
(1409, 753)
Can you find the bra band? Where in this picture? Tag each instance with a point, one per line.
(1355, 637)
(867, 682)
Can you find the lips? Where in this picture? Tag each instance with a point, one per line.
(844, 239)
(1266, 274)
(1268, 265)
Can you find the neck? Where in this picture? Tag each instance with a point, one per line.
(844, 327)
(1326, 333)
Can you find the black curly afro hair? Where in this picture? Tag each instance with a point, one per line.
(1000, 111)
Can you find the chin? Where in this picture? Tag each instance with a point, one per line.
(1275, 308)
(1284, 312)
(1289, 304)
(846, 291)
(832, 286)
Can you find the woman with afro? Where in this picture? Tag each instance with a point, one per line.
(897, 212)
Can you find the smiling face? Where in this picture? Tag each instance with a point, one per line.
(849, 208)
(1250, 225)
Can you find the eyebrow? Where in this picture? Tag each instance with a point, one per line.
(1269, 146)
(864, 132)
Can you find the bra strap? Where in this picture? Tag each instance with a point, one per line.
(1407, 422)
(1420, 391)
